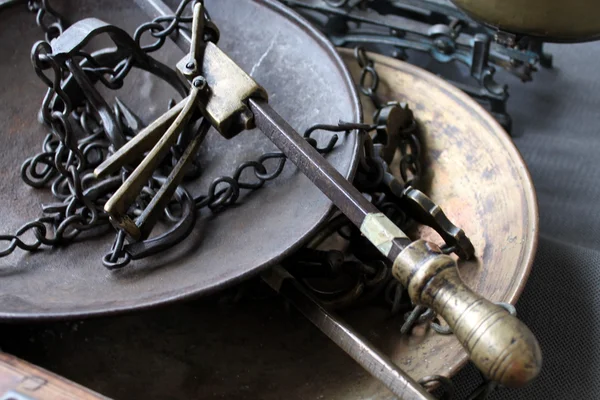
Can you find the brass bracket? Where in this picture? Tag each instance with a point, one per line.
(225, 104)
(220, 89)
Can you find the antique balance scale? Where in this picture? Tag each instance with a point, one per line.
(181, 236)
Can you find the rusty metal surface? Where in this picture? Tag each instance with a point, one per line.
(307, 84)
(256, 349)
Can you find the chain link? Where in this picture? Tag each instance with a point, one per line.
(51, 22)
(409, 144)
(368, 82)
(371, 274)
(63, 161)
(66, 162)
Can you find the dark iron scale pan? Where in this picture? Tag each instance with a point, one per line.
(307, 83)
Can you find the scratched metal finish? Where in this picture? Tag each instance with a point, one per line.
(476, 174)
(254, 349)
(307, 83)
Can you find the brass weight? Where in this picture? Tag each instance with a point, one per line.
(494, 201)
(551, 20)
(499, 344)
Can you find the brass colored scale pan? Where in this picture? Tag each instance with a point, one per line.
(551, 20)
(502, 347)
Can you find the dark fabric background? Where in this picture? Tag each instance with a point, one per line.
(557, 129)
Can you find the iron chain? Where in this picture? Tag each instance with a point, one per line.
(66, 163)
(51, 22)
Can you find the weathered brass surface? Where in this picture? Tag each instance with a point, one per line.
(576, 20)
(506, 353)
(230, 87)
(144, 141)
(501, 346)
(479, 179)
(120, 202)
(198, 44)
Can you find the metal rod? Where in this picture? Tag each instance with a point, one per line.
(351, 203)
(345, 196)
(388, 238)
(197, 35)
(356, 346)
(500, 345)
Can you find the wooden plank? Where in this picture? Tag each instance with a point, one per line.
(20, 380)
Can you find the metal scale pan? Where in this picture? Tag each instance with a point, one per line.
(255, 348)
(550, 20)
(308, 84)
(476, 174)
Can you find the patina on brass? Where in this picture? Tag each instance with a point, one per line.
(230, 88)
(420, 266)
(493, 201)
(501, 346)
(198, 44)
(576, 20)
(120, 202)
(220, 89)
(506, 353)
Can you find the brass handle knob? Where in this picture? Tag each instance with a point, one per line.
(500, 345)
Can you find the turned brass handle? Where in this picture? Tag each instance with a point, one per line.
(500, 345)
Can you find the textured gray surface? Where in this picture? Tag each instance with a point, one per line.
(71, 280)
(557, 120)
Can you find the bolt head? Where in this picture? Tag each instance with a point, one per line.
(199, 82)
